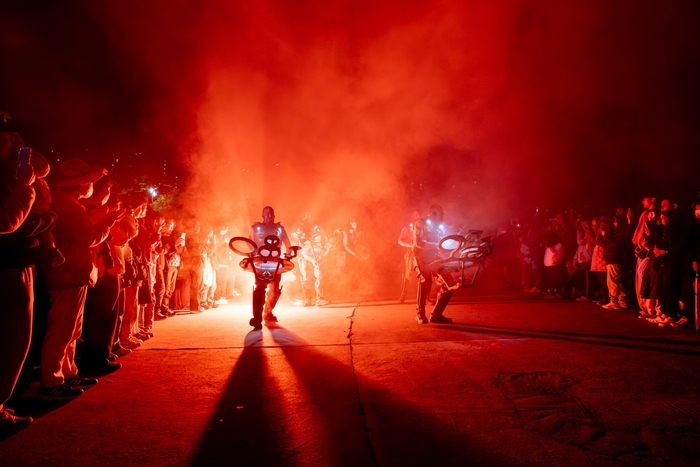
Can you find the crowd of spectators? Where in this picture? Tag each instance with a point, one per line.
(85, 273)
(647, 262)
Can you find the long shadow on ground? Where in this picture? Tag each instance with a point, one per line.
(246, 428)
(397, 433)
(629, 342)
(323, 421)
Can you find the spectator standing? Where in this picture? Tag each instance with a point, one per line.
(611, 239)
(668, 252)
(100, 316)
(641, 250)
(582, 262)
(555, 262)
(18, 253)
(598, 266)
(173, 247)
(74, 234)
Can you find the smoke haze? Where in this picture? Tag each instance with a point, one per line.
(333, 109)
(368, 110)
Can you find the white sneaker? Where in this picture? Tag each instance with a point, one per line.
(680, 323)
(222, 301)
(10, 423)
(611, 306)
(129, 344)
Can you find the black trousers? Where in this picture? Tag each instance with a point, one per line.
(100, 317)
(259, 300)
(443, 296)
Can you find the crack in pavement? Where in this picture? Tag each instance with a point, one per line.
(361, 407)
(544, 404)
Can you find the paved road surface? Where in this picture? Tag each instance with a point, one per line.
(515, 381)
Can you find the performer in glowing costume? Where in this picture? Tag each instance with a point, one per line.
(406, 241)
(262, 309)
(314, 249)
(426, 235)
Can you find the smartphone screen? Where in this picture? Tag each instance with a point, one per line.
(25, 156)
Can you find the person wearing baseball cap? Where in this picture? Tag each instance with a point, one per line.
(67, 284)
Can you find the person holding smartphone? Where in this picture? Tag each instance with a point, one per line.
(20, 227)
(74, 234)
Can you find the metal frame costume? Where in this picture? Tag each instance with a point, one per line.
(426, 235)
(453, 261)
(313, 250)
(263, 257)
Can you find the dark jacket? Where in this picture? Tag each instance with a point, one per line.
(612, 244)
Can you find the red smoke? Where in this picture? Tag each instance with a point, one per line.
(370, 109)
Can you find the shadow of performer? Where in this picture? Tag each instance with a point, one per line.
(247, 427)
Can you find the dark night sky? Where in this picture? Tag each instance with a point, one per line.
(508, 104)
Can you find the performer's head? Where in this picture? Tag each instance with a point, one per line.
(435, 212)
(268, 215)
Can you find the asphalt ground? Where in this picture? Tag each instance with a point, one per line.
(515, 380)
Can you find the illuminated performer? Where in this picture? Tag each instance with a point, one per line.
(314, 249)
(353, 241)
(262, 308)
(426, 235)
(406, 241)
